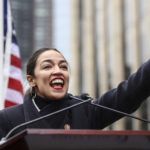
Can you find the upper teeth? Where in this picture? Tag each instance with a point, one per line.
(57, 81)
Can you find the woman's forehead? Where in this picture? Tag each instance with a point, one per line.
(50, 55)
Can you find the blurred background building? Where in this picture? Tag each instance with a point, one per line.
(104, 41)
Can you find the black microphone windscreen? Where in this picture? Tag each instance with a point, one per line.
(84, 96)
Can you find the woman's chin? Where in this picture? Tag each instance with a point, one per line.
(57, 96)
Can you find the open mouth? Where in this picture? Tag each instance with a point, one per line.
(57, 83)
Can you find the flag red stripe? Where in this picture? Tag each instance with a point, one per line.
(15, 84)
(8, 103)
(15, 61)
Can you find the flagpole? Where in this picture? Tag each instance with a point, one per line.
(1, 54)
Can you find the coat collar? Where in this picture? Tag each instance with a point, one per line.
(31, 113)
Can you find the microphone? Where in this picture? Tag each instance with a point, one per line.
(85, 96)
(4, 139)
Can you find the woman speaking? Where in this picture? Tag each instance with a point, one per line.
(48, 76)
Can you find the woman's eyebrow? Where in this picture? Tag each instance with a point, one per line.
(63, 61)
(51, 61)
(47, 60)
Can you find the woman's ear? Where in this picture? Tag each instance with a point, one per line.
(31, 80)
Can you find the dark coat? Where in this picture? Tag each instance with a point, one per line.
(127, 97)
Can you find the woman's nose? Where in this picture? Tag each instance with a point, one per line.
(56, 70)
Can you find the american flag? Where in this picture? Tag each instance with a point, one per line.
(12, 64)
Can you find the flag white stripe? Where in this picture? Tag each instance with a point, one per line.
(15, 73)
(15, 50)
(14, 96)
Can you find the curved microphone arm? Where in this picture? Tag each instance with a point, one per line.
(85, 99)
(4, 139)
(111, 109)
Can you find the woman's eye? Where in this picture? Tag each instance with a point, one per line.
(64, 67)
(47, 67)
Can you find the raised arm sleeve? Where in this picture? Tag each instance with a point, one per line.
(127, 97)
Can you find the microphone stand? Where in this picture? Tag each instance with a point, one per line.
(114, 110)
(4, 139)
